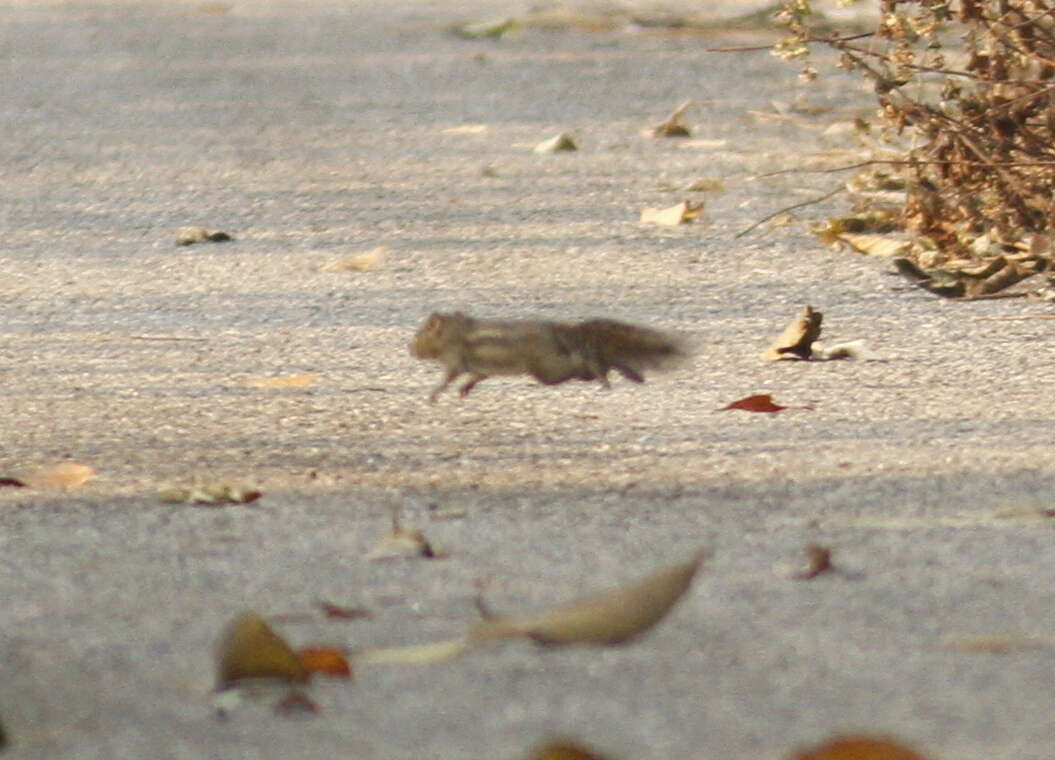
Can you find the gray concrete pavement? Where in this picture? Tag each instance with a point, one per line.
(316, 130)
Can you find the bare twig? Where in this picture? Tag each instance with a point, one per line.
(778, 212)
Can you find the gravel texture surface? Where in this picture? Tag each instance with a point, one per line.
(314, 131)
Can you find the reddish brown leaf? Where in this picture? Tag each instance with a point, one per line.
(820, 561)
(328, 661)
(858, 748)
(337, 612)
(762, 402)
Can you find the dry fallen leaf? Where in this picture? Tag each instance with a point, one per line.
(327, 661)
(761, 402)
(561, 142)
(249, 649)
(192, 235)
(58, 475)
(288, 381)
(994, 643)
(819, 559)
(209, 495)
(403, 542)
(495, 28)
(706, 185)
(466, 129)
(563, 750)
(360, 262)
(674, 125)
(13, 482)
(883, 246)
(337, 612)
(858, 748)
(672, 216)
(611, 618)
(796, 342)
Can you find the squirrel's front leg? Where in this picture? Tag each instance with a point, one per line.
(447, 380)
(476, 377)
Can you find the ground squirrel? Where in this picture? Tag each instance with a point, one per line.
(551, 352)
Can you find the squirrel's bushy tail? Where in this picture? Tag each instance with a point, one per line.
(631, 349)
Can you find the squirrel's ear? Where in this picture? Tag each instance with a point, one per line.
(434, 321)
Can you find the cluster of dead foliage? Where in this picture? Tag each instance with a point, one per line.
(966, 105)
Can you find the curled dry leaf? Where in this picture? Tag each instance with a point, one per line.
(209, 495)
(250, 650)
(563, 750)
(361, 262)
(883, 246)
(761, 402)
(611, 618)
(672, 216)
(858, 748)
(796, 341)
(59, 475)
(327, 661)
(674, 125)
(403, 542)
(192, 235)
(288, 381)
(561, 142)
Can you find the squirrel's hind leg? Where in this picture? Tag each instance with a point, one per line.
(628, 373)
(476, 377)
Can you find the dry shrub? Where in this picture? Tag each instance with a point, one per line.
(966, 91)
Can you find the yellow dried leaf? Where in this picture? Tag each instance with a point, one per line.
(672, 216)
(209, 494)
(495, 28)
(611, 618)
(561, 142)
(60, 475)
(249, 649)
(466, 129)
(288, 381)
(361, 262)
(858, 748)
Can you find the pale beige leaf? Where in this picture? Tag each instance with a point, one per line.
(706, 185)
(361, 262)
(466, 129)
(610, 618)
(414, 654)
(672, 216)
(287, 381)
(192, 235)
(59, 475)
(703, 144)
(875, 245)
(561, 142)
(674, 125)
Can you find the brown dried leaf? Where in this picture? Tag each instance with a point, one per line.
(13, 482)
(875, 245)
(249, 649)
(561, 142)
(858, 748)
(672, 216)
(796, 342)
(59, 475)
(761, 402)
(674, 125)
(359, 263)
(288, 381)
(563, 750)
(611, 618)
(192, 235)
